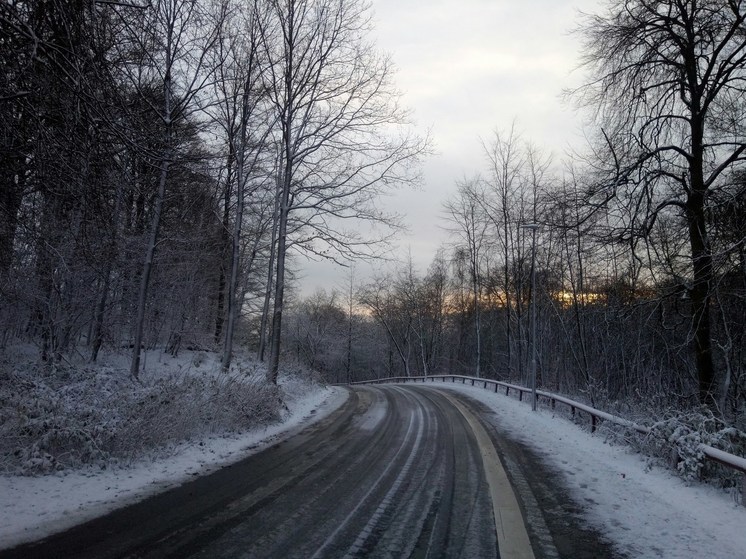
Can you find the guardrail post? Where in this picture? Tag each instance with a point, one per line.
(520, 395)
(554, 403)
(472, 382)
(507, 390)
(572, 411)
(495, 388)
(593, 423)
(743, 489)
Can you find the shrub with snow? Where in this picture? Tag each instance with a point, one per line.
(57, 416)
(680, 436)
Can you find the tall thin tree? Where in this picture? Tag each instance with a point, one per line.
(341, 132)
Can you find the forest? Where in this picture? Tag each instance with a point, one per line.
(164, 165)
(160, 161)
(639, 256)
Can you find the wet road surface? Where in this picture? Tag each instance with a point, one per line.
(396, 471)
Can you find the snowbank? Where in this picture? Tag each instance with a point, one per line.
(647, 512)
(34, 507)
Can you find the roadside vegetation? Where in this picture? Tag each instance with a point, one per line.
(58, 417)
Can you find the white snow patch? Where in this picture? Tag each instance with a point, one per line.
(373, 416)
(647, 512)
(32, 508)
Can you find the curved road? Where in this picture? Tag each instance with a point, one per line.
(397, 471)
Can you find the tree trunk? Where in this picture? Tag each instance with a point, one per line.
(10, 204)
(233, 303)
(225, 244)
(142, 296)
(270, 277)
(701, 298)
(477, 324)
(98, 325)
(233, 283)
(274, 355)
(701, 264)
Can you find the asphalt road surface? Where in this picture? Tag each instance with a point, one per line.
(397, 471)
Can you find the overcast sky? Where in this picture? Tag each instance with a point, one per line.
(466, 68)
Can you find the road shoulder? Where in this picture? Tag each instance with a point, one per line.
(553, 519)
(32, 508)
(512, 537)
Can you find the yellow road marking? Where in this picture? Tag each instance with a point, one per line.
(512, 537)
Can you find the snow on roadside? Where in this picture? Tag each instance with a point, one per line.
(35, 507)
(646, 511)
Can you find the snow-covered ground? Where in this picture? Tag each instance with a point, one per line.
(34, 507)
(646, 512)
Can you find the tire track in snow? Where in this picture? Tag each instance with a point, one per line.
(386, 502)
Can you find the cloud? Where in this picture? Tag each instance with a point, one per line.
(466, 67)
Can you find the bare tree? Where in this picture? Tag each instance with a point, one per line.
(350, 300)
(504, 204)
(247, 128)
(505, 181)
(340, 131)
(171, 41)
(431, 306)
(470, 225)
(667, 78)
(55, 95)
(392, 310)
(270, 275)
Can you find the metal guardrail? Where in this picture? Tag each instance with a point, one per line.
(711, 453)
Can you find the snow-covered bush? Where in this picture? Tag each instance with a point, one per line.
(183, 407)
(675, 438)
(679, 437)
(54, 417)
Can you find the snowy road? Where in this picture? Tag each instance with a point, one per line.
(395, 472)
